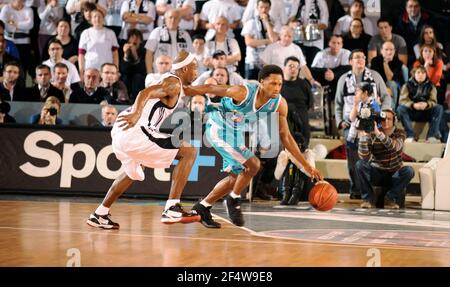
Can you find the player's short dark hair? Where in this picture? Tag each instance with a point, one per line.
(291, 58)
(267, 70)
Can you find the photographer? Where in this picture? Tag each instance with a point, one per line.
(49, 113)
(381, 162)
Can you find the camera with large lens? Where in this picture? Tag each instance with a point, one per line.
(53, 111)
(368, 116)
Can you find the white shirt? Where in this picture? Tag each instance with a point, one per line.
(98, 45)
(156, 43)
(230, 46)
(113, 16)
(324, 59)
(252, 28)
(277, 12)
(184, 24)
(144, 28)
(275, 54)
(152, 78)
(23, 19)
(215, 8)
(72, 76)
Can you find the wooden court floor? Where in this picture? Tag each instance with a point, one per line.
(54, 233)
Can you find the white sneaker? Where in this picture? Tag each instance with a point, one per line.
(433, 140)
(282, 162)
(409, 140)
(309, 157)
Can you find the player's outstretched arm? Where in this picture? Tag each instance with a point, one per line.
(237, 93)
(170, 87)
(290, 144)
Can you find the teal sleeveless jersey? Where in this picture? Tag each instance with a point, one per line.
(236, 116)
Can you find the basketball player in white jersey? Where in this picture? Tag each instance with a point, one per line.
(137, 143)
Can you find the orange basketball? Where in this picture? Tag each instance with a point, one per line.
(323, 196)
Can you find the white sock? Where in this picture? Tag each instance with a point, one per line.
(171, 202)
(205, 204)
(234, 195)
(102, 210)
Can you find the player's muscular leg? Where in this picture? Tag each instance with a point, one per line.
(119, 186)
(186, 156)
(222, 188)
(252, 166)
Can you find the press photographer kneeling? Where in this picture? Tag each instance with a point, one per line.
(380, 148)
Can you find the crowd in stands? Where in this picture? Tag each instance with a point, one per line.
(106, 51)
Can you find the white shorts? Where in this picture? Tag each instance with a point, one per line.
(135, 149)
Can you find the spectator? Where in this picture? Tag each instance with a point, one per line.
(73, 8)
(163, 65)
(137, 14)
(220, 41)
(132, 63)
(331, 63)
(427, 36)
(60, 74)
(86, 19)
(409, 26)
(259, 31)
(43, 88)
(111, 83)
(345, 94)
(10, 47)
(277, 53)
(50, 13)
(357, 38)
(381, 162)
(109, 115)
(185, 7)
(68, 42)
(278, 11)
(385, 34)
(356, 11)
(49, 113)
(219, 61)
(18, 21)
(297, 93)
(390, 69)
(418, 102)
(4, 56)
(5, 118)
(167, 40)
(113, 18)
(216, 8)
(91, 92)
(11, 88)
(433, 64)
(200, 52)
(55, 50)
(98, 45)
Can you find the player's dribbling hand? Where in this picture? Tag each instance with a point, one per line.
(128, 120)
(314, 173)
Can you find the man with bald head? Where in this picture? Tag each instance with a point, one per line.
(276, 53)
(163, 65)
(167, 40)
(138, 142)
(91, 92)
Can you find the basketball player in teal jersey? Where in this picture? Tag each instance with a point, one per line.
(224, 131)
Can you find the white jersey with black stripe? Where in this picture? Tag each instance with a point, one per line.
(155, 111)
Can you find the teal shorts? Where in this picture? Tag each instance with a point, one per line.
(230, 144)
